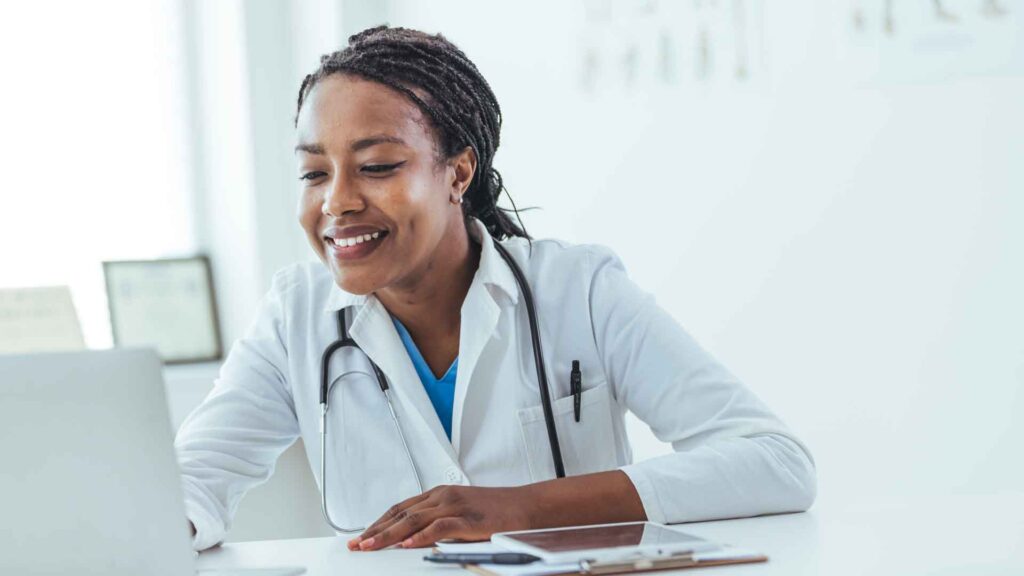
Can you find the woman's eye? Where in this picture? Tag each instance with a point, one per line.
(380, 168)
(310, 175)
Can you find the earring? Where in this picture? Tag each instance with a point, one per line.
(456, 199)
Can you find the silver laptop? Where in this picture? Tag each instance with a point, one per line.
(89, 483)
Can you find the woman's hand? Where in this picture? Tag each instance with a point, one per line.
(463, 512)
(474, 513)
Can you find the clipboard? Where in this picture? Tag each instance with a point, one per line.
(720, 557)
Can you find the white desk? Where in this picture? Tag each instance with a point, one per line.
(969, 534)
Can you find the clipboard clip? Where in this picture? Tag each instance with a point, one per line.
(638, 565)
(687, 560)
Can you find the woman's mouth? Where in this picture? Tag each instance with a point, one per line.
(355, 247)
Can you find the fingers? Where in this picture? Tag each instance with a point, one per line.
(439, 529)
(387, 518)
(394, 511)
(405, 524)
(443, 512)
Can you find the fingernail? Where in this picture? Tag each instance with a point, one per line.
(366, 543)
(407, 543)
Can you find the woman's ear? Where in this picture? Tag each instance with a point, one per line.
(464, 164)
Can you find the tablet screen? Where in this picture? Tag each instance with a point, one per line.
(615, 536)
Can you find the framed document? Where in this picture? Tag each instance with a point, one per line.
(166, 304)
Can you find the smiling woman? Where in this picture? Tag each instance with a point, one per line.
(453, 306)
(368, 165)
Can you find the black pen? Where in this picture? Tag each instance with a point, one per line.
(576, 388)
(496, 558)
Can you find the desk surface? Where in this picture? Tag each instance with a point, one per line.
(967, 534)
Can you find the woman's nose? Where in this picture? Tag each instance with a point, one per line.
(340, 198)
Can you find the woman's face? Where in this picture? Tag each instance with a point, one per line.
(375, 204)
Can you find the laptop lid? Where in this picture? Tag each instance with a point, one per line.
(89, 482)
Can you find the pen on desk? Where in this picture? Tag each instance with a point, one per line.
(496, 558)
(576, 388)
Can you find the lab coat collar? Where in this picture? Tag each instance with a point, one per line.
(492, 271)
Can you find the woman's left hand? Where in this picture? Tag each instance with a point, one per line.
(463, 512)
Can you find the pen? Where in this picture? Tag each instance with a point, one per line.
(497, 558)
(576, 388)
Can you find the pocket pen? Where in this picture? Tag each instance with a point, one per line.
(576, 387)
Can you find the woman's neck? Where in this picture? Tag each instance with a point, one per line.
(431, 309)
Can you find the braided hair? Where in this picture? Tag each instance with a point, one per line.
(459, 102)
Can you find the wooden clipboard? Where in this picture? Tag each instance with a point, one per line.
(636, 566)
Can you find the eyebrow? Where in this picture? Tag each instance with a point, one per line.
(356, 146)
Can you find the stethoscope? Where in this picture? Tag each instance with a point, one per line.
(345, 340)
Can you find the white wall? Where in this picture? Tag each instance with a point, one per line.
(91, 110)
(852, 250)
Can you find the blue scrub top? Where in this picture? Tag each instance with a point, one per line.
(441, 391)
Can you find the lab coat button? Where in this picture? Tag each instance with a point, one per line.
(453, 476)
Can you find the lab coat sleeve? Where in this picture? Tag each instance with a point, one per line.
(732, 457)
(231, 442)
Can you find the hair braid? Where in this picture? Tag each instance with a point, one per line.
(459, 102)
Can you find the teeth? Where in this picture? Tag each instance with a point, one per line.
(345, 242)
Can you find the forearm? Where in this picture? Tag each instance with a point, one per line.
(599, 498)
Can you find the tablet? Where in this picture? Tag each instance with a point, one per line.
(603, 542)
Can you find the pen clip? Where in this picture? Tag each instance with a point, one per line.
(576, 388)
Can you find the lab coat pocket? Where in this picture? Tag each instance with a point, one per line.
(587, 446)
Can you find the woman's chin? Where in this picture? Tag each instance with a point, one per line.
(353, 284)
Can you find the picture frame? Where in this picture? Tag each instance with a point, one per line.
(168, 304)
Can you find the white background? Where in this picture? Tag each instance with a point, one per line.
(844, 235)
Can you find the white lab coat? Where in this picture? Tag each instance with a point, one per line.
(732, 456)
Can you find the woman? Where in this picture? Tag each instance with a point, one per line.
(396, 137)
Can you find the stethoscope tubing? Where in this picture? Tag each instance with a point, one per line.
(323, 463)
(346, 341)
(538, 357)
